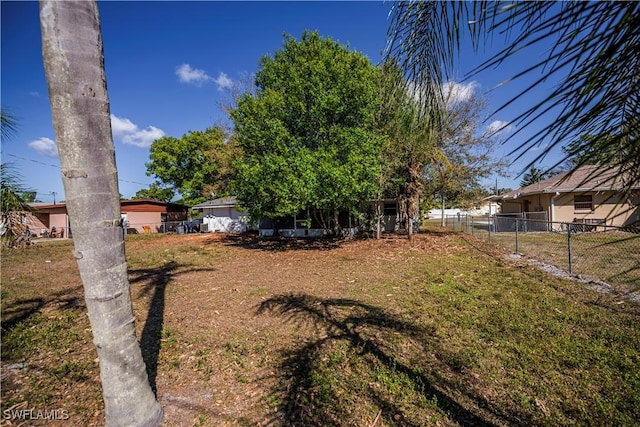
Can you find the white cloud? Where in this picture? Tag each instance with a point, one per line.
(44, 146)
(499, 126)
(34, 93)
(455, 92)
(197, 77)
(121, 126)
(129, 133)
(224, 82)
(186, 74)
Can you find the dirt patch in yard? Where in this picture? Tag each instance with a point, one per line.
(237, 330)
(213, 325)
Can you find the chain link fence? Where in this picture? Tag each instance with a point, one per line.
(593, 251)
(180, 227)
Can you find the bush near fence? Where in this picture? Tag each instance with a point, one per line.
(592, 251)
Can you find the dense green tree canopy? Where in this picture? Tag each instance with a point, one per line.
(155, 192)
(307, 135)
(195, 165)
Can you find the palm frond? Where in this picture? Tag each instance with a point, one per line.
(12, 190)
(12, 205)
(8, 124)
(595, 55)
(427, 55)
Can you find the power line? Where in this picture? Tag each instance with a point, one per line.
(32, 160)
(58, 167)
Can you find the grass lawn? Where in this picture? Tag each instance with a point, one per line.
(237, 331)
(609, 256)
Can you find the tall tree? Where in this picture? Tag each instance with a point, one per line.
(307, 134)
(598, 96)
(533, 175)
(195, 165)
(445, 156)
(74, 67)
(466, 150)
(411, 144)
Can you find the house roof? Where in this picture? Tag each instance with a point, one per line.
(150, 202)
(583, 179)
(41, 205)
(222, 202)
(124, 204)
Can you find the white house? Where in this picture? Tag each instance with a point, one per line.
(222, 215)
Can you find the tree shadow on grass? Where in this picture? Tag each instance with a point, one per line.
(367, 332)
(281, 244)
(23, 309)
(156, 280)
(324, 243)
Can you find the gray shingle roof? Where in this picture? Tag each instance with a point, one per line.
(585, 178)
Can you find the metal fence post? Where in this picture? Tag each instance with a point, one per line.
(569, 247)
(517, 226)
(489, 227)
(472, 226)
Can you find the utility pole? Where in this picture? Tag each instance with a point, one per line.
(53, 193)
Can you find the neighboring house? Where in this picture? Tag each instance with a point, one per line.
(142, 216)
(589, 195)
(152, 216)
(47, 219)
(436, 213)
(487, 207)
(222, 215)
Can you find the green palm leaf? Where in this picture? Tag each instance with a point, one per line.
(8, 124)
(595, 53)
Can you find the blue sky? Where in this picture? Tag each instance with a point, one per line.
(169, 66)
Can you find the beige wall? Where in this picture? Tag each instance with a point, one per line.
(606, 205)
(533, 203)
(511, 206)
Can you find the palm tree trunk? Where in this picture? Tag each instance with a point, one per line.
(74, 67)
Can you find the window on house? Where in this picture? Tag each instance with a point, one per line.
(390, 209)
(583, 203)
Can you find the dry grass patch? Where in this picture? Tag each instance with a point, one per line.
(241, 331)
